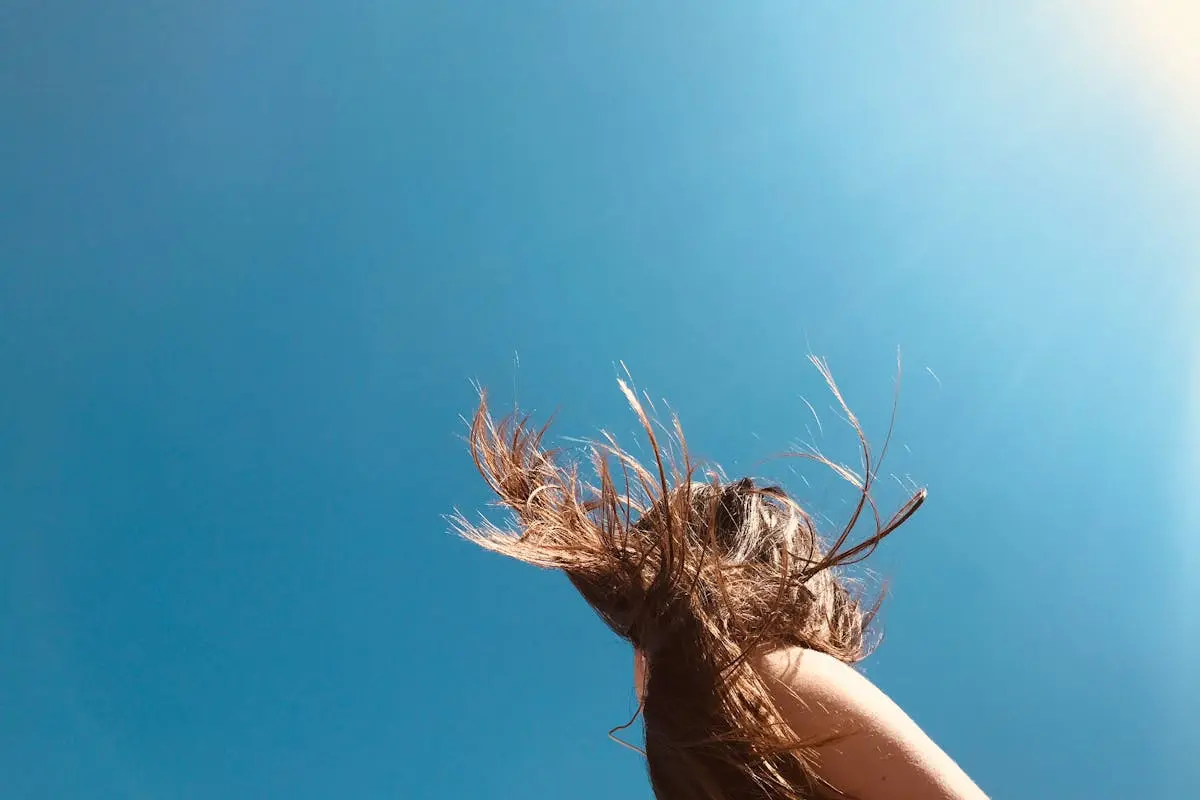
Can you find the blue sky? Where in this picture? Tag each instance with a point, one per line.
(252, 255)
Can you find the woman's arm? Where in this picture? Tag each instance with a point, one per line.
(881, 753)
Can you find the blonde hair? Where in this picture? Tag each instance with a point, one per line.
(700, 576)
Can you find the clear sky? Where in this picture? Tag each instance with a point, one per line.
(253, 253)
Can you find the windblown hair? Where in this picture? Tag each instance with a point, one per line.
(701, 575)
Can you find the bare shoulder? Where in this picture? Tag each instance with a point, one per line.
(814, 676)
(866, 745)
(818, 689)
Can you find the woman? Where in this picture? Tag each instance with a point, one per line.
(742, 627)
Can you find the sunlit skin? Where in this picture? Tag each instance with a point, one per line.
(881, 754)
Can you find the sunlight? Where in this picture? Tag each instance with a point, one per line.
(1150, 49)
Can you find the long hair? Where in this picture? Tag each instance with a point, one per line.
(701, 575)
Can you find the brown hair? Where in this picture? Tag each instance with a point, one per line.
(700, 576)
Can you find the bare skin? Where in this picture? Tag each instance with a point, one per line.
(881, 753)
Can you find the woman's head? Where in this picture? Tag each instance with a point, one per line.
(699, 576)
